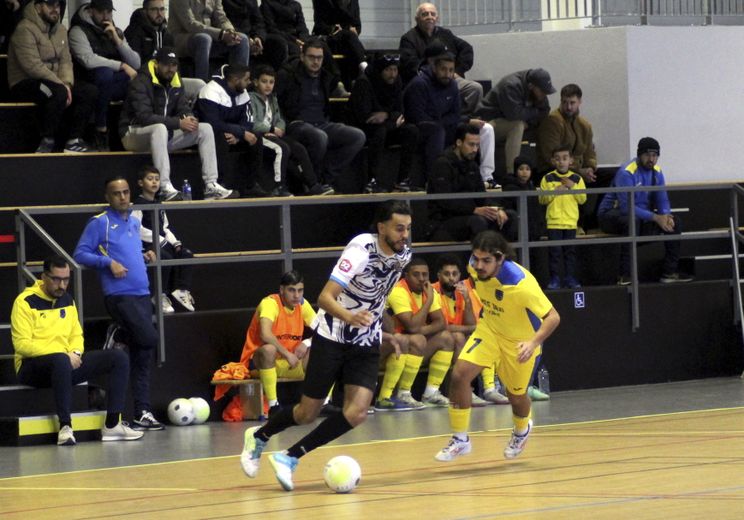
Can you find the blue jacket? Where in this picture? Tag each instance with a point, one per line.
(109, 237)
(225, 109)
(646, 203)
(425, 99)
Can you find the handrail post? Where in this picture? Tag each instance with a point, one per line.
(523, 234)
(159, 324)
(285, 227)
(634, 289)
(20, 229)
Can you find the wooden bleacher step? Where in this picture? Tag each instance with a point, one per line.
(42, 429)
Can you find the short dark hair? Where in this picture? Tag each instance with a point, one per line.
(235, 71)
(571, 90)
(54, 261)
(447, 56)
(292, 277)
(492, 242)
(416, 260)
(109, 180)
(561, 148)
(387, 209)
(148, 168)
(264, 70)
(465, 128)
(313, 42)
(448, 259)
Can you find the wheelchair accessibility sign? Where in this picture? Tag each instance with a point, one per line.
(579, 300)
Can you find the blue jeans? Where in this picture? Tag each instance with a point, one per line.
(134, 315)
(201, 47)
(569, 253)
(55, 371)
(112, 86)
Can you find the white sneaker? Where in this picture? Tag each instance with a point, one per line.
(437, 399)
(494, 396)
(184, 298)
(477, 402)
(252, 449)
(166, 305)
(284, 466)
(120, 432)
(407, 399)
(168, 192)
(517, 443)
(455, 448)
(66, 437)
(214, 191)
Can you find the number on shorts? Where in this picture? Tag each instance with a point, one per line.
(476, 342)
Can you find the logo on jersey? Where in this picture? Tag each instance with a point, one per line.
(499, 295)
(62, 313)
(344, 265)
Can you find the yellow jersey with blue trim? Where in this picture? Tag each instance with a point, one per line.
(513, 302)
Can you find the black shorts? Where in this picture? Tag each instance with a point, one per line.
(332, 362)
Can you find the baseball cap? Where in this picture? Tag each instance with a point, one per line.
(541, 79)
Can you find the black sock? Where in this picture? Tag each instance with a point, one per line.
(112, 419)
(278, 422)
(62, 424)
(332, 428)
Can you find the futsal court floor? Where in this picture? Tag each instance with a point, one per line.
(672, 451)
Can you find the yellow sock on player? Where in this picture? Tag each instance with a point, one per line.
(438, 367)
(413, 364)
(489, 376)
(521, 423)
(459, 420)
(393, 370)
(268, 382)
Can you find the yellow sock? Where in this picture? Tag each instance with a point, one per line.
(268, 382)
(459, 420)
(438, 366)
(521, 423)
(489, 374)
(393, 369)
(413, 363)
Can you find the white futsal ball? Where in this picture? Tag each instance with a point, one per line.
(342, 474)
(201, 410)
(180, 412)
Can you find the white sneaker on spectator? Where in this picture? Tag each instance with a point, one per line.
(168, 192)
(165, 304)
(184, 298)
(517, 443)
(120, 432)
(477, 402)
(66, 437)
(494, 396)
(455, 448)
(436, 399)
(407, 399)
(214, 191)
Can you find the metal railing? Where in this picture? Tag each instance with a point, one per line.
(287, 254)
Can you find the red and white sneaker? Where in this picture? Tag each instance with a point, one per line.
(455, 448)
(517, 443)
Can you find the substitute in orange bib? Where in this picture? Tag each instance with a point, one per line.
(273, 343)
(517, 318)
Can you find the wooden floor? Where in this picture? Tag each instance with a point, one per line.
(674, 465)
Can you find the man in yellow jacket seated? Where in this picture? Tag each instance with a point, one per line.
(48, 343)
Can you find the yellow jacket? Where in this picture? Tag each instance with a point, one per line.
(41, 325)
(563, 210)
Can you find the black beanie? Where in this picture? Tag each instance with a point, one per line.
(648, 144)
(520, 160)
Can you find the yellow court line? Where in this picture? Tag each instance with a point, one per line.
(382, 441)
(107, 489)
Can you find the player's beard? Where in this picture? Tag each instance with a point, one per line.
(392, 245)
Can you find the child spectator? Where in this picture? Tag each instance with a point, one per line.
(522, 181)
(562, 216)
(176, 280)
(288, 153)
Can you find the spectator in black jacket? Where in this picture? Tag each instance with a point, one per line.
(339, 23)
(246, 16)
(286, 31)
(148, 32)
(456, 171)
(377, 108)
(156, 118)
(517, 101)
(413, 44)
(303, 90)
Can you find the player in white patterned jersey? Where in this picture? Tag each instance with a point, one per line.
(346, 343)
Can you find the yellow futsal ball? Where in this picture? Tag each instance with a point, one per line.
(201, 410)
(342, 474)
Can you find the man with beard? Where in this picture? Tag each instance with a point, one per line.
(346, 343)
(377, 108)
(517, 101)
(40, 71)
(226, 105)
(517, 318)
(156, 117)
(456, 171)
(102, 57)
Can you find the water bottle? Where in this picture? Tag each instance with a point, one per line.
(543, 380)
(186, 190)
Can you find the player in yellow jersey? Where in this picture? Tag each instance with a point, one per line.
(517, 318)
